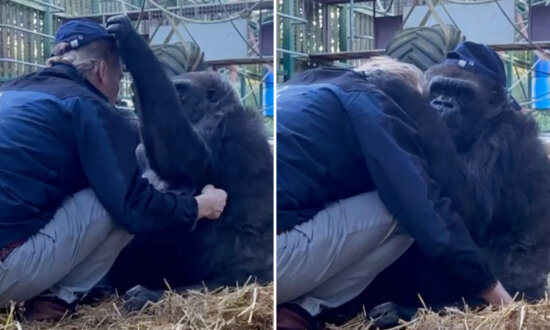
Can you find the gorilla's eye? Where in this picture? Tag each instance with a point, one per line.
(195, 116)
(436, 90)
(493, 97)
(211, 94)
(464, 96)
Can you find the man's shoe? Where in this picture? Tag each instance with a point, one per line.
(46, 308)
(294, 317)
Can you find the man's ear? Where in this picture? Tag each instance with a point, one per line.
(102, 71)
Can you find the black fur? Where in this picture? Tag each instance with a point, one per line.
(498, 177)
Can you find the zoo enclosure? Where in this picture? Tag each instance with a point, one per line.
(345, 32)
(27, 28)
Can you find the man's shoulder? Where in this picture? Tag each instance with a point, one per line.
(343, 79)
(48, 81)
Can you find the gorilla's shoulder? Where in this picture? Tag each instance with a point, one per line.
(239, 120)
(522, 126)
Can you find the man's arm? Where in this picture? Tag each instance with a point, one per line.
(390, 145)
(106, 142)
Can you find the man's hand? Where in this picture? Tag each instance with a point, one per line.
(497, 295)
(211, 202)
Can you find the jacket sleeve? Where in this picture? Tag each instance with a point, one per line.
(106, 144)
(389, 143)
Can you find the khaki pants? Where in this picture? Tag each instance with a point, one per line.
(67, 257)
(332, 258)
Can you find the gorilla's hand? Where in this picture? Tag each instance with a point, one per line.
(388, 314)
(128, 39)
(136, 298)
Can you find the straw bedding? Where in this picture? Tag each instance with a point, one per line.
(518, 315)
(248, 307)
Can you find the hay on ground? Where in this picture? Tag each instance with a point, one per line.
(517, 316)
(248, 307)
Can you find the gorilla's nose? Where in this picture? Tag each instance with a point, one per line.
(444, 104)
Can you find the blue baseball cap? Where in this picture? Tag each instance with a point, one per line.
(79, 32)
(481, 60)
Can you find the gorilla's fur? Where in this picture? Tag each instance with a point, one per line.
(498, 178)
(196, 132)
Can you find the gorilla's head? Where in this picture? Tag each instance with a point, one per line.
(467, 101)
(205, 98)
(469, 90)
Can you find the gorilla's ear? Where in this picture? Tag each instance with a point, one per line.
(498, 101)
(493, 97)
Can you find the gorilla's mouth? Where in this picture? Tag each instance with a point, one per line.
(453, 122)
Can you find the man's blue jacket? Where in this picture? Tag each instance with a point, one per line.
(58, 135)
(339, 136)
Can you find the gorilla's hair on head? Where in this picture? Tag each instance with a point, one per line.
(403, 71)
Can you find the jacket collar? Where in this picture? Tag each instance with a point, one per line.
(67, 71)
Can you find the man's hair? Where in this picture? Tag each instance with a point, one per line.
(404, 71)
(86, 58)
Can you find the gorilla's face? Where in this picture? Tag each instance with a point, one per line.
(205, 98)
(466, 101)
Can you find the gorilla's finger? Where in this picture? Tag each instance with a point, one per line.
(120, 19)
(114, 29)
(385, 315)
(382, 309)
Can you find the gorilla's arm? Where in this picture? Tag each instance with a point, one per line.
(515, 183)
(175, 151)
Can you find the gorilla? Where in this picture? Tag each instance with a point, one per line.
(496, 171)
(196, 132)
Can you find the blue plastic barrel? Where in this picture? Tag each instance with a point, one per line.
(541, 85)
(268, 95)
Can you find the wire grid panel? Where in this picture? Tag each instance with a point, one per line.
(208, 11)
(308, 38)
(21, 50)
(157, 21)
(90, 7)
(75, 7)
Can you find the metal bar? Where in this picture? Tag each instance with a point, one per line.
(294, 18)
(48, 30)
(290, 52)
(522, 46)
(95, 6)
(37, 5)
(11, 60)
(49, 5)
(124, 3)
(288, 40)
(240, 61)
(326, 28)
(351, 26)
(8, 26)
(133, 14)
(364, 37)
(375, 52)
(343, 30)
(322, 57)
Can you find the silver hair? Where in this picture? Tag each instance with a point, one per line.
(405, 71)
(86, 58)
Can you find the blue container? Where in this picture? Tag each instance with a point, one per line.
(541, 85)
(268, 95)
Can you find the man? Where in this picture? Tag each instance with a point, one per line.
(71, 194)
(353, 191)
